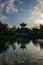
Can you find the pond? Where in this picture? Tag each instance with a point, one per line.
(21, 52)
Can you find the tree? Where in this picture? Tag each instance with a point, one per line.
(12, 30)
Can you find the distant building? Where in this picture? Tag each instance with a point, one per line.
(23, 31)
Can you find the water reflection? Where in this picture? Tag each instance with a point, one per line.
(21, 51)
(23, 43)
(3, 46)
(38, 42)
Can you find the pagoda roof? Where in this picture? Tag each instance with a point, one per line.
(23, 24)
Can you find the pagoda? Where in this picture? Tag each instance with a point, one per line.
(23, 25)
(23, 31)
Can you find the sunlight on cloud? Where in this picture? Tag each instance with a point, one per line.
(40, 3)
(40, 20)
(40, 7)
(38, 13)
(42, 16)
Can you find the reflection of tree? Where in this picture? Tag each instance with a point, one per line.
(41, 45)
(34, 33)
(12, 43)
(41, 32)
(35, 42)
(3, 46)
(38, 42)
(23, 42)
(23, 46)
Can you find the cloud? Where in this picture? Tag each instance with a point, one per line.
(21, 2)
(40, 5)
(37, 13)
(11, 1)
(39, 21)
(11, 9)
(2, 6)
(9, 6)
(3, 18)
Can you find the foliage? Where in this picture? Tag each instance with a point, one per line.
(6, 31)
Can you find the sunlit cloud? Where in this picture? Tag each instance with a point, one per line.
(41, 16)
(37, 13)
(40, 20)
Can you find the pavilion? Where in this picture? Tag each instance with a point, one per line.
(23, 31)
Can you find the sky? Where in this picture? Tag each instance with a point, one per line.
(14, 12)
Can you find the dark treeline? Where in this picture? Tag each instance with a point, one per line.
(7, 32)
(37, 33)
(33, 33)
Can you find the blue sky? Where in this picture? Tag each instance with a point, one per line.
(14, 12)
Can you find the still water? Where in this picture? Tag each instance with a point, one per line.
(21, 52)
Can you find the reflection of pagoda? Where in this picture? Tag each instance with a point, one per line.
(23, 31)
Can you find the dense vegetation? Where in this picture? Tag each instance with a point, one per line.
(7, 33)
(37, 33)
